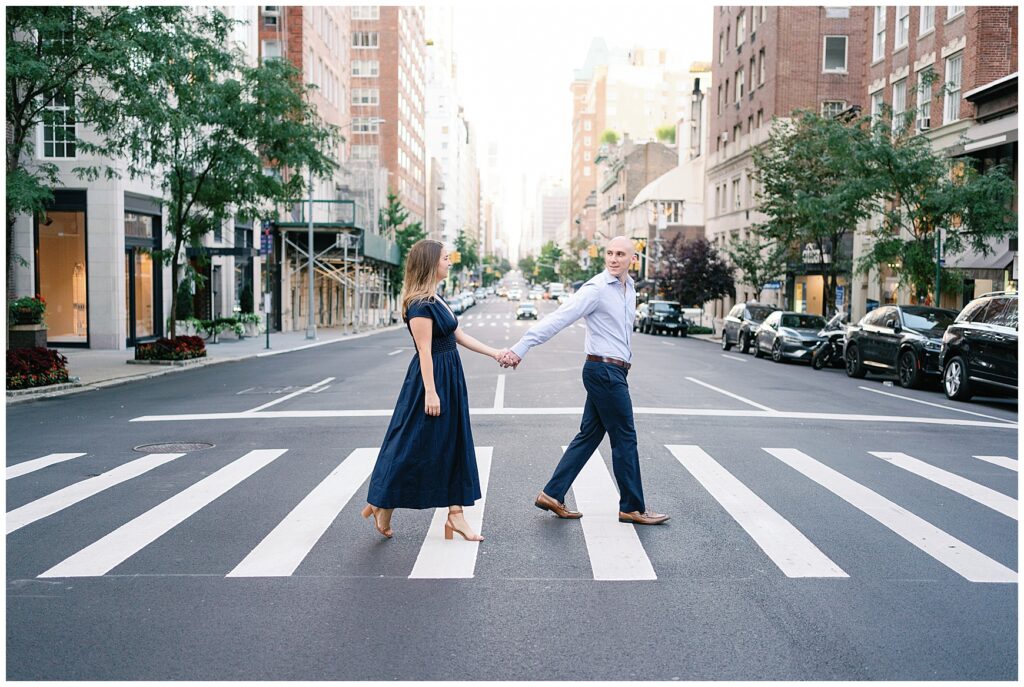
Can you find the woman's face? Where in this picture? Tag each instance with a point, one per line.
(443, 265)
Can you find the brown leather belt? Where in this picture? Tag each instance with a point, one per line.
(613, 361)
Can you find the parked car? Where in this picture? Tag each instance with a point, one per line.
(979, 350)
(640, 315)
(663, 316)
(514, 294)
(741, 323)
(833, 338)
(480, 294)
(788, 335)
(905, 339)
(536, 293)
(502, 292)
(526, 311)
(456, 304)
(468, 295)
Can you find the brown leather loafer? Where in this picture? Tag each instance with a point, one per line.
(545, 502)
(645, 518)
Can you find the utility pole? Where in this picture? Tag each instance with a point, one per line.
(311, 324)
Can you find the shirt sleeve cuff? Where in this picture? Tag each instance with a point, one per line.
(520, 349)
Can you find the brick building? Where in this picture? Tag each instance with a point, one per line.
(769, 61)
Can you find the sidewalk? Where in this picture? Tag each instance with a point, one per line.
(96, 369)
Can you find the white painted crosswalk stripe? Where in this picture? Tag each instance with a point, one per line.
(788, 548)
(19, 469)
(107, 553)
(79, 491)
(972, 490)
(288, 544)
(943, 547)
(1001, 461)
(456, 558)
(614, 548)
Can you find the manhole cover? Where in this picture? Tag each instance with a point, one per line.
(174, 447)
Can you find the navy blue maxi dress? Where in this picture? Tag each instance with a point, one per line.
(429, 461)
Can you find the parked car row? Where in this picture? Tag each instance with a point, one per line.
(656, 317)
(969, 351)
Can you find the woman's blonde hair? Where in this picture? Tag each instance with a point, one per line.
(421, 280)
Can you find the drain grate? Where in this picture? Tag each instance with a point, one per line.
(174, 447)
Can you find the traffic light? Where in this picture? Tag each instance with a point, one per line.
(455, 256)
(639, 244)
(592, 250)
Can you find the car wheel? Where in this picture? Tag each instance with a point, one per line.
(955, 382)
(818, 360)
(758, 353)
(908, 370)
(725, 342)
(777, 352)
(854, 366)
(744, 343)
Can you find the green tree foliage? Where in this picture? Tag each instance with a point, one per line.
(610, 137)
(204, 125)
(526, 266)
(760, 261)
(813, 188)
(393, 222)
(467, 247)
(666, 134)
(547, 263)
(693, 273)
(60, 53)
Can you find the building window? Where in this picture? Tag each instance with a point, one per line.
(954, 73)
(366, 96)
(365, 39)
(271, 14)
(361, 152)
(899, 104)
(879, 43)
(760, 67)
(588, 141)
(876, 105)
(750, 123)
(753, 70)
(831, 108)
(366, 68)
(764, 13)
(736, 200)
(739, 85)
(370, 12)
(721, 48)
(59, 128)
(924, 99)
(586, 171)
(835, 54)
(741, 28)
(586, 125)
(927, 19)
(902, 26)
(720, 99)
(271, 50)
(954, 11)
(586, 156)
(366, 125)
(760, 118)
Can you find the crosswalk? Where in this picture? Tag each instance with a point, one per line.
(504, 321)
(615, 551)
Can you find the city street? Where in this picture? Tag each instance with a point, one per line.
(822, 527)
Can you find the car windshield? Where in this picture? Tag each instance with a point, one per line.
(665, 307)
(927, 318)
(759, 313)
(803, 321)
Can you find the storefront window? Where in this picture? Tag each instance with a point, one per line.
(62, 276)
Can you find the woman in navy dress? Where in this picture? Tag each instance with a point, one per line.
(427, 459)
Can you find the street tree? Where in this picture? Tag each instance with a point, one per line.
(57, 57)
(920, 193)
(609, 136)
(666, 134)
(759, 261)
(813, 190)
(393, 220)
(219, 136)
(547, 263)
(526, 265)
(693, 273)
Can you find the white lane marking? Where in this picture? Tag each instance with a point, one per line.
(239, 393)
(443, 559)
(695, 412)
(1001, 461)
(395, 352)
(943, 547)
(965, 487)
(107, 553)
(291, 395)
(935, 405)
(79, 491)
(323, 388)
(499, 393)
(732, 357)
(668, 343)
(288, 544)
(732, 395)
(494, 324)
(614, 548)
(789, 549)
(19, 469)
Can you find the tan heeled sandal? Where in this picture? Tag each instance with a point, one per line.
(450, 529)
(373, 510)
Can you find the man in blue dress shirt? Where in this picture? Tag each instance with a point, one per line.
(607, 303)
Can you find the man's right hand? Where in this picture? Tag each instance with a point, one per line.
(510, 359)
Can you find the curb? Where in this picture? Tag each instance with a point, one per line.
(66, 390)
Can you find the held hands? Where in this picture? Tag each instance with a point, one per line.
(507, 358)
(432, 403)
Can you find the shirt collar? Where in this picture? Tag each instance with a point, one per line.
(609, 278)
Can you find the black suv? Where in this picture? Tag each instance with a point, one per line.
(662, 316)
(741, 323)
(980, 348)
(901, 338)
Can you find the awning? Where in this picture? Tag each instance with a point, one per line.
(1000, 260)
(991, 134)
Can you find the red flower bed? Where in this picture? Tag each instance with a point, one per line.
(31, 367)
(178, 348)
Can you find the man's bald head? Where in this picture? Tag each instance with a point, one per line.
(618, 253)
(620, 242)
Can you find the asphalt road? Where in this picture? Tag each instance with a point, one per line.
(794, 552)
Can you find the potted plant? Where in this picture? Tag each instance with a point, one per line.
(25, 322)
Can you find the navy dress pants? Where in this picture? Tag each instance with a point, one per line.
(608, 410)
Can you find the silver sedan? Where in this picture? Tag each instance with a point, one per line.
(787, 335)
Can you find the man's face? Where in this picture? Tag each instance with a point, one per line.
(617, 256)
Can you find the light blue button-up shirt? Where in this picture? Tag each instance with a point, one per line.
(608, 308)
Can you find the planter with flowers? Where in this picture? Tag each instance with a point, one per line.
(181, 350)
(25, 323)
(32, 367)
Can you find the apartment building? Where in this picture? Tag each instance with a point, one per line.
(768, 62)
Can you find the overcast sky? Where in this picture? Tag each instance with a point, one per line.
(516, 62)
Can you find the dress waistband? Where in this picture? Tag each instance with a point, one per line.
(443, 345)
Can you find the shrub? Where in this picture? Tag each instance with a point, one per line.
(27, 310)
(700, 330)
(31, 367)
(178, 348)
(183, 308)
